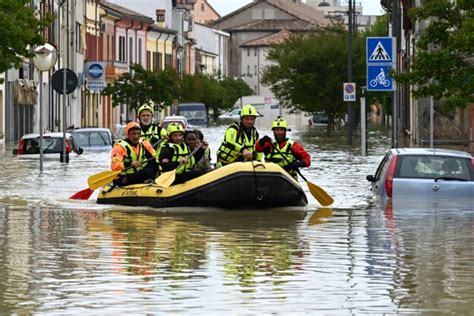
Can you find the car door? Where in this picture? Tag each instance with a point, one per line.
(378, 186)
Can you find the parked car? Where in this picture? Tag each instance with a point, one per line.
(422, 173)
(320, 118)
(28, 146)
(235, 115)
(93, 139)
(174, 119)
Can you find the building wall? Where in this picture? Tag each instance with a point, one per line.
(203, 13)
(254, 60)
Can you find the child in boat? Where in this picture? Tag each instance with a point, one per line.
(191, 139)
(286, 153)
(172, 154)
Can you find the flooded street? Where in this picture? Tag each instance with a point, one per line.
(60, 256)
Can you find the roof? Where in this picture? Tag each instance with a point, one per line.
(300, 11)
(275, 25)
(90, 129)
(54, 134)
(431, 151)
(161, 29)
(133, 15)
(268, 40)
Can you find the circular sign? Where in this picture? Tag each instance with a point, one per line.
(96, 71)
(58, 81)
(349, 88)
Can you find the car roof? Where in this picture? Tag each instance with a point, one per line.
(431, 152)
(91, 129)
(37, 135)
(174, 118)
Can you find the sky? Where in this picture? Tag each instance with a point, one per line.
(223, 7)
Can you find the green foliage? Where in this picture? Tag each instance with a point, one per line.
(20, 30)
(444, 65)
(308, 71)
(142, 86)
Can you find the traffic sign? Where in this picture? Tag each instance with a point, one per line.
(95, 76)
(58, 81)
(349, 91)
(380, 60)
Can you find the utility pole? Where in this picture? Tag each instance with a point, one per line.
(350, 114)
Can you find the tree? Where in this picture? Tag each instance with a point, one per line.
(444, 63)
(234, 89)
(20, 30)
(140, 86)
(308, 71)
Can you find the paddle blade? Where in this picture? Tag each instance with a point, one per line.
(319, 194)
(82, 195)
(101, 179)
(166, 179)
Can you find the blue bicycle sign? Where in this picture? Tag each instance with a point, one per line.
(380, 58)
(380, 79)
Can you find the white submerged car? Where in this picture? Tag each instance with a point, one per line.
(424, 174)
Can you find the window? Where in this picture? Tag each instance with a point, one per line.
(139, 51)
(248, 70)
(121, 49)
(255, 70)
(130, 50)
(255, 52)
(168, 59)
(79, 44)
(202, 7)
(148, 60)
(160, 61)
(248, 51)
(160, 15)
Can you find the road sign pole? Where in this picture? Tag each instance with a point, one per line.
(363, 142)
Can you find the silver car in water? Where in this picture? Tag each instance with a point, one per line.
(424, 173)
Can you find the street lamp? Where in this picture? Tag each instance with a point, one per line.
(45, 58)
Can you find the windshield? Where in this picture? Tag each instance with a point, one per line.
(193, 114)
(50, 145)
(85, 139)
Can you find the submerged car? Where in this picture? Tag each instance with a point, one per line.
(29, 146)
(424, 173)
(235, 115)
(93, 139)
(175, 119)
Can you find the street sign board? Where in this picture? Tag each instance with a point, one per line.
(95, 74)
(57, 81)
(349, 91)
(380, 59)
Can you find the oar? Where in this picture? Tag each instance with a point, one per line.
(101, 179)
(319, 194)
(165, 180)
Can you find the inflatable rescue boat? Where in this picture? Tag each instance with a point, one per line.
(238, 185)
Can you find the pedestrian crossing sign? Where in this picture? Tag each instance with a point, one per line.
(380, 50)
(380, 60)
(380, 53)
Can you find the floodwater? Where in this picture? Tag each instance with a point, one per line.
(60, 256)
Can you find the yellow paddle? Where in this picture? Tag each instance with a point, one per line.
(165, 180)
(319, 194)
(105, 177)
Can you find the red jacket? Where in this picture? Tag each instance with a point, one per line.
(297, 150)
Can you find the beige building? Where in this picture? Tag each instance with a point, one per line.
(259, 20)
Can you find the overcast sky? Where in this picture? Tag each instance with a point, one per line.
(370, 7)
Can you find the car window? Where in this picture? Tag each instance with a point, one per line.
(432, 167)
(383, 166)
(92, 138)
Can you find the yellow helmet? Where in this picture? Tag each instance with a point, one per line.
(145, 107)
(280, 122)
(174, 127)
(248, 110)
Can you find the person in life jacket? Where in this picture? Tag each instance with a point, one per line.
(128, 155)
(296, 156)
(174, 152)
(150, 131)
(239, 139)
(192, 138)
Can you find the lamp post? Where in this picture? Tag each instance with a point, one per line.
(45, 58)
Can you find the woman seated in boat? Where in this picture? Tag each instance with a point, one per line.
(286, 153)
(173, 154)
(191, 138)
(131, 155)
(239, 140)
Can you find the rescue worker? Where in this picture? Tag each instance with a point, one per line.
(129, 155)
(174, 151)
(192, 138)
(150, 131)
(296, 156)
(240, 139)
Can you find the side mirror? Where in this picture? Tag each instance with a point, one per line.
(15, 151)
(371, 178)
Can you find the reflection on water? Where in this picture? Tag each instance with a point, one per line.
(67, 257)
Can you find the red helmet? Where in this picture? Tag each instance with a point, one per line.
(131, 126)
